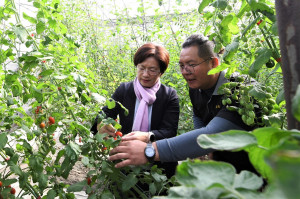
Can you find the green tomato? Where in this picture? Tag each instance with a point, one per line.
(224, 102)
(228, 100)
(270, 63)
(229, 7)
(253, 32)
(251, 114)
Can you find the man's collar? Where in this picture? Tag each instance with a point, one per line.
(221, 81)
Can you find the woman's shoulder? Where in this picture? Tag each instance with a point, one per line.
(168, 89)
(126, 85)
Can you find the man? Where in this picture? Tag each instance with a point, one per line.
(197, 57)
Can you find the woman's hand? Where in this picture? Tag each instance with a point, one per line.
(107, 128)
(136, 135)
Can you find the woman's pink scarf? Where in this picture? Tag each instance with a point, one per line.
(147, 96)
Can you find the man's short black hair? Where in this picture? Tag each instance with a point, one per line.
(205, 46)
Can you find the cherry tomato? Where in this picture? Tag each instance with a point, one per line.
(115, 138)
(13, 191)
(89, 180)
(51, 120)
(259, 22)
(80, 139)
(42, 125)
(119, 133)
(1, 183)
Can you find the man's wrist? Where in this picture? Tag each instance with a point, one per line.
(156, 158)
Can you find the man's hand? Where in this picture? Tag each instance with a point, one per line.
(131, 151)
(136, 135)
(108, 128)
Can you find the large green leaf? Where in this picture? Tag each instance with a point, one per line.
(247, 180)
(264, 54)
(218, 69)
(98, 98)
(30, 19)
(230, 50)
(202, 5)
(51, 194)
(229, 140)
(221, 4)
(296, 104)
(286, 163)
(205, 174)
(129, 182)
(21, 32)
(77, 186)
(40, 27)
(267, 138)
(3, 140)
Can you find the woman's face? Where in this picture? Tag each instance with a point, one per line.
(148, 72)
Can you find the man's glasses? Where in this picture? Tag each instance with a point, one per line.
(150, 71)
(190, 68)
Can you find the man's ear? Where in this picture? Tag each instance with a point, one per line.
(215, 62)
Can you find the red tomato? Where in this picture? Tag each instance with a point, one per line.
(1, 183)
(12, 191)
(51, 120)
(119, 133)
(259, 22)
(80, 139)
(89, 180)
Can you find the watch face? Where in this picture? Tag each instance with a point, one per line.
(149, 151)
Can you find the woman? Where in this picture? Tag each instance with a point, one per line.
(152, 106)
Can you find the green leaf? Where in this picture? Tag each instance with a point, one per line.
(43, 180)
(21, 32)
(264, 54)
(36, 164)
(98, 98)
(205, 174)
(296, 104)
(106, 194)
(247, 180)
(77, 186)
(100, 136)
(285, 162)
(16, 169)
(230, 50)
(221, 4)
(3, 140)
(257, 93)
(51, 194)
(46, 72)
(29, 65)
(129, 182)
(202, 5)
(40, 27)
(220, 68)
(229, 140)
(191, 192)
(280, 97)
(111, 103)
(267, 138)
(28, 18)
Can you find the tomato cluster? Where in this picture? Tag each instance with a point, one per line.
(238, 97)
(10, 190)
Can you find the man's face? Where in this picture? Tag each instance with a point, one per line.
(196, 77)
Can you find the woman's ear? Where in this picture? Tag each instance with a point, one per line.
(215, 62)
